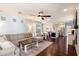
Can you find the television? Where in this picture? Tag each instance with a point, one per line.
(54, 34)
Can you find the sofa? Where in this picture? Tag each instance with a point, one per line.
(16, 38)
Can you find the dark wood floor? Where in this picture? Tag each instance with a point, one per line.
(58, 48)
(71, 51)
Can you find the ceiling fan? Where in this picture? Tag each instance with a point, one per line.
(41, 14)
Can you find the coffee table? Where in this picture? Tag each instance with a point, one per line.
(34, 51)
(24, 45)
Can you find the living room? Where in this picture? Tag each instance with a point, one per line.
(30, 29)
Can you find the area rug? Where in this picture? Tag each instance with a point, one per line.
(35, 51)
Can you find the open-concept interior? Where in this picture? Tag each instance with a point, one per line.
(39, 29)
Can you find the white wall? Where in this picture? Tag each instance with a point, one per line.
(28, 25)
(78, 27)
(47, 27)
(10, 27)
(77, 47)
(78, 43)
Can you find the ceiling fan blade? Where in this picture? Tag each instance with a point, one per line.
(44, 15)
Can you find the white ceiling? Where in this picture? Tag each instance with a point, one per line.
(56, 10)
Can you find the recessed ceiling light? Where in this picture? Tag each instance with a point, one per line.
(65, 10)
